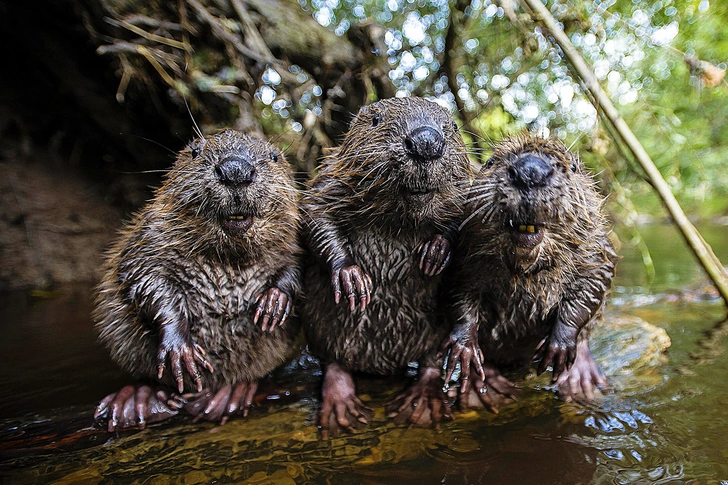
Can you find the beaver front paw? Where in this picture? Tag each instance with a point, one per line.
(223, 404)
(274, 305)
(182, 355)
(356, 285)
(134, 407)
(463, 348)
(558, 350)
(435, 255)
(424, 403)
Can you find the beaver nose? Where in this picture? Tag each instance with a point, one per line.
(235, 170)
(425, 143)
(530, 171)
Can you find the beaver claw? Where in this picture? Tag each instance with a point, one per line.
(274, 306)
(134, 407)
(423, 403)
(356, 284)
(558, 350)
(464, 349)
(220, 406)
(435, 255)
(183, 355)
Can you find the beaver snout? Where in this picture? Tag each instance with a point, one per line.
(530, 171)
(235, 170)
(424, 144)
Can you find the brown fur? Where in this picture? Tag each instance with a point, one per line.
(381, 220)
(514, 295)
(176, 261)
(359, 208)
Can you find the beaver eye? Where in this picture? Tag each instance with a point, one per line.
(274, 157)
(376, 119)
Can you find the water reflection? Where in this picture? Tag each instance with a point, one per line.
(663, 421)
(632, 447)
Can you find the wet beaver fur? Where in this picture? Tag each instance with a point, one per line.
(200, 283)
(531, 272)
(381, 217)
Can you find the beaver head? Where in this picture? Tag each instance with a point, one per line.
(227, 190)
(532, 202)
(404, 157)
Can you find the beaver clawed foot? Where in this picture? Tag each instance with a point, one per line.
(274, 305)
(221, 405)
(584, 381)
(491, 393)
(424, 403)
(341, 408)
(356, 285)
(435, 255)
(135, 407)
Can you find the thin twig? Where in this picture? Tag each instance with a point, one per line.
(697, 244)
(143, 33)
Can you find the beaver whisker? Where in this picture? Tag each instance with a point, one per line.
(366, 153)
(159, 170)
(471, 216)
(479, 197)
(480, 192)
(470, 149)
(459, 184)
(272, 184)
(476, 134)
(479, 185)
(280, 192)
(378, 168)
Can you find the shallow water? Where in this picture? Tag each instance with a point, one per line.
(664, 422)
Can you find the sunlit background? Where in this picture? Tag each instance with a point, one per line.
(509, 77)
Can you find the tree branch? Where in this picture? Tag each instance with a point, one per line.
(697, 244)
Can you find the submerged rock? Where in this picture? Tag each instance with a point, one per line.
(630, 351)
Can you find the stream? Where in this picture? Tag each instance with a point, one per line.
(662, 422)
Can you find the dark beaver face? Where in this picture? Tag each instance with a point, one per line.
(406, 153)
(233, 182)
(531, 199)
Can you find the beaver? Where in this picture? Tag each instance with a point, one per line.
(198, 287)
(530, 273)
(381, 217)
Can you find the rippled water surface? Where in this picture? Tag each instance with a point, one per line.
(665, 421)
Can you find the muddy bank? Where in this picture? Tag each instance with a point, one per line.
(54, 222)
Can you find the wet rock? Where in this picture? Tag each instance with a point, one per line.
(630, 351)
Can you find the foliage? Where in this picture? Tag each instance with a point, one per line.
(504, 65)
(296, 70)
